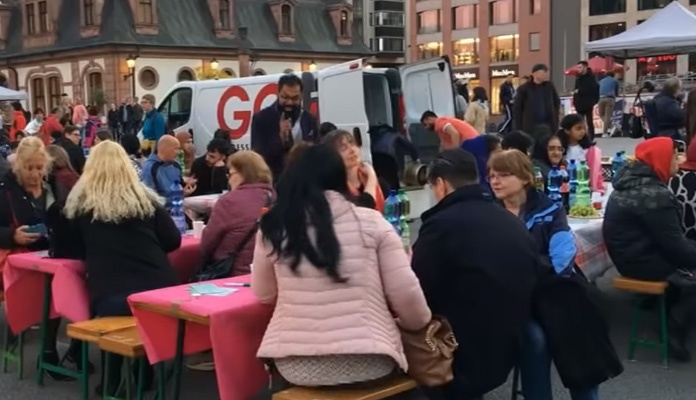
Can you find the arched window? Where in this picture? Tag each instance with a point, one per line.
(55, 91)
(258, 72)
(38, 93)
(286, 19)
(344, 24)
(288, 71)
(185, 75)
(95, 87)
(228, 73)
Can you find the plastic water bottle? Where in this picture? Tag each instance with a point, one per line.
(538, 179)
(616, 164)
(176, 206)
(405, 233)
(405, 204)
(584, 193)
(554, 185)
(565, 188)
(572, 183)
(392, 209)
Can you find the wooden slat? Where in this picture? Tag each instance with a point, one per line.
(380, 390)
(638, 286)
(90, 331)
(172, 311)
(126, 343)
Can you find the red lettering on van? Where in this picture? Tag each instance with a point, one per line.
(242, 116)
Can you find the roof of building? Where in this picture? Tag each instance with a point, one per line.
(187, 23)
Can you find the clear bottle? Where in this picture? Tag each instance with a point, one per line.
(572, 183)
(616, 163)
(176, 206)
(405, 204)
(584, 193)
(538, 179)
(554, 185)
(392, 210)
(405, 231)
(565, 188)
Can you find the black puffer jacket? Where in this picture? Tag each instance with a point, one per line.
(642, 226)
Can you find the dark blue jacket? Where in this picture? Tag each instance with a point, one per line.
(478, 147)
(548, 225)
(154, 126)
(265, 136)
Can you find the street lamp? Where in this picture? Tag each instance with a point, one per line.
(312, 66)
(214, 64)
(130, 62)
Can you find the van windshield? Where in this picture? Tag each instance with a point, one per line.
(176, 107)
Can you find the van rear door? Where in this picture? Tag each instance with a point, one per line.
(342, 101)
(426, 85)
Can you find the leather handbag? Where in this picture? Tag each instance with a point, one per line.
(430, 352)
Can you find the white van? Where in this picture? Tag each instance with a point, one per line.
(349, 95)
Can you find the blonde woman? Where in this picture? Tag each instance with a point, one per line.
(25, 197)
(122, 231)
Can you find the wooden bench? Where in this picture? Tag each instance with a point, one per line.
(643, 289)
(380, 390)
(90, 331)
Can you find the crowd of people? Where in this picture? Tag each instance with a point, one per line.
(341, 280)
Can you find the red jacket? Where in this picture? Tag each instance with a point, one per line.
(233, 216)
(50, 125)
(18, 124)
(66, 178)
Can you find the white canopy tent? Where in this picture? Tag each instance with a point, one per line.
(9, 94)
(671, 30)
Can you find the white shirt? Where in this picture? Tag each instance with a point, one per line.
(576, 153)
(33, 127)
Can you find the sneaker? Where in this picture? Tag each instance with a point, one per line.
(201, 362)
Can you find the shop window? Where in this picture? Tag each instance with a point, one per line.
(504, 48)
(429, 50)
(465, 52)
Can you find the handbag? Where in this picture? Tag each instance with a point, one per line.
(223, 268)
(430, 352)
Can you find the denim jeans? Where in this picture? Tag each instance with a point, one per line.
(535, 368)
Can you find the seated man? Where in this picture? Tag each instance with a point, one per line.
(484, 293)
(209, 171)
(161, 171)
(644, 234)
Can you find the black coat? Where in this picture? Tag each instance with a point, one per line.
(265, 136)
(530, 96)
(587, 94)
(75, 154)
(123, 258)
(210, 179)
(670, 116)
(642, 226)
(477, 266)
(16, 206)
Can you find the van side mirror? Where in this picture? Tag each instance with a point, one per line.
(357, 137)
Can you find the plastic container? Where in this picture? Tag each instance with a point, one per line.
(175, 201)
(405, 204)
(392, 209)
(584, 193)
(554, 185)
(572, 182)
(539, 179)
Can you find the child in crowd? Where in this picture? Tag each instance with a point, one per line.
(578, 146)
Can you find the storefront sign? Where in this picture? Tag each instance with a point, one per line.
(466, 75)
(657, 59)
(503, 72)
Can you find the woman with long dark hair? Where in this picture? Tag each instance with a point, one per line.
(479, 111)
(548, 153)
(578, 146)
(338, 275)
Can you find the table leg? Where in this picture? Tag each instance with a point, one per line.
(45, 315)
(13, 350)
(179, 359)
(161, 372)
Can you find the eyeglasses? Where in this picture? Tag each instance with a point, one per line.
(498, 175)
(556, 148)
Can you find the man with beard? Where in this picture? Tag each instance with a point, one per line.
(586, 95)
(275, 129)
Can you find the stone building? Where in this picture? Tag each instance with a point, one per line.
(85, 48)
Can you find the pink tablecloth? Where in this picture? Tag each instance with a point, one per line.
(237, 323)
(25, 274)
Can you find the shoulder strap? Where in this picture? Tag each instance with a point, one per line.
(254, 228)
(155, 168)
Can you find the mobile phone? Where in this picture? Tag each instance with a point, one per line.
(38, 228)
(680, 145)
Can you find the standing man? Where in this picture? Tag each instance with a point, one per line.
(608, 92)
(125, 111)
(276, 128)
(507, 96)
(153, 127)
(138, 113)
(586, 95)
(536, 103)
